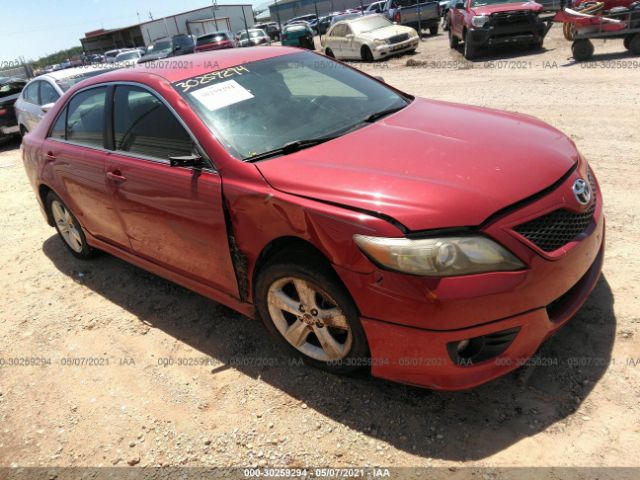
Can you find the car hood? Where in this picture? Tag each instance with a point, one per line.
(431, 165)
(506, 7)
(153, 56)
(387, 32)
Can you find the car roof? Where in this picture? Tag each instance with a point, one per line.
(198, 63)
(72, 72)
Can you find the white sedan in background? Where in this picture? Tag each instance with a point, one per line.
(41, 93)
(368, 38)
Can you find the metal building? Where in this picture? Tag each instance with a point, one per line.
(288, 9)
(194, 22)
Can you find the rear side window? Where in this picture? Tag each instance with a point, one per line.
(85, 117)
(48, 94)
(30, 93)
(143, 125)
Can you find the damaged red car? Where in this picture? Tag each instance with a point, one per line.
(435, 244)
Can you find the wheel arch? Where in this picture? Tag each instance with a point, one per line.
(43, 191)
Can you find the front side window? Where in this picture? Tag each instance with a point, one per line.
(48, 94)
(264, 105)
(85, 117)
(58, 130)
(143, 125)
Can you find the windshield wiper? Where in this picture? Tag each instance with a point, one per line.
(290, 147)
(378, 115)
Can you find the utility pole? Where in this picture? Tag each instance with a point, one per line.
(214, 6)
(246, 27)
(138, 14)
(150, 16)
(279, 24)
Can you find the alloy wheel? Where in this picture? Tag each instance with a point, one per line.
(66, 226)
(309, 319)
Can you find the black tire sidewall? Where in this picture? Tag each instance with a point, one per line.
(358, 357)
(366, 54)
(87, 251)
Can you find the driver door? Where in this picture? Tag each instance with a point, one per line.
(172, 215)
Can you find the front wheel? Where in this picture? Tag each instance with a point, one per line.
(68, 227)
(365, 54)
(453, 40)
(634, 44)
(469, 48)
(310, 314)
(329, 53)
(433, 30)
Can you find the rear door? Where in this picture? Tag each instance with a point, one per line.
(173, 216)
(75, 150)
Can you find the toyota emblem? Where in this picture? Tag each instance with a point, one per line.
(582, 191)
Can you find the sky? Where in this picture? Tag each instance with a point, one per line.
(35, 28)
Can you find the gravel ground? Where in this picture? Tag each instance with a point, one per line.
(129, 405)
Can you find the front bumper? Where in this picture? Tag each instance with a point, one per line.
(9, 130)
(409, 320)
(383, 51)
(500, 35)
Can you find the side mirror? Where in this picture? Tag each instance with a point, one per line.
(193, 160)
(379, 78)
(47, 106)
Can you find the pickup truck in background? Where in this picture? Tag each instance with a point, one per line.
(484, 23)
(415, 13)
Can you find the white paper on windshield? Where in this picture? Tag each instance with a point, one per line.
(222, 95)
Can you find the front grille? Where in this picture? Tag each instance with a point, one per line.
(399, 38)
(559, 227)
(509, 18)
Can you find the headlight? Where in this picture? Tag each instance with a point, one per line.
(479, 20)
(439, 257)
(380, 42)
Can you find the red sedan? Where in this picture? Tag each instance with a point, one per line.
(436, 244)
(214, 41)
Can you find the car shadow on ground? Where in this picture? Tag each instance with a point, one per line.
(9, 144)
(502, 52)
(603, 57)
(467, 425)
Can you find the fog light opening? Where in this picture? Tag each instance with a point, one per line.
(470, 347)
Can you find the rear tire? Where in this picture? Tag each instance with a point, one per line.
(582, 50)
(68, 228)
(433, 30)
(365, 54)
(304, 324)
(627, 42)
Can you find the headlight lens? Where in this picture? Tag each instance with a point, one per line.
(439, 257)
(479, 20)
(380, 41)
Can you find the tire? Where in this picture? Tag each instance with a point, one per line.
(433, 30)
(23, 130)
(299, 270)
(634, 44)
(582, 50)
(365, 54)
(329, 53)
(68, 228)
(627, 42)
(470, 50)
(453, 40)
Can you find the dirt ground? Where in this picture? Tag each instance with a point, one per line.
(171, 378)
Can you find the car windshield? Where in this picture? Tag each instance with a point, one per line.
(370, 24)
(482, 3)
(216, 37)
(163, 46)
(262, 106)
(66, 83)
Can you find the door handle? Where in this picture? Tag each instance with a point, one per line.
(116, 176)
(50, 156)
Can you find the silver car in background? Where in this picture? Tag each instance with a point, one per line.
(41, 93)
